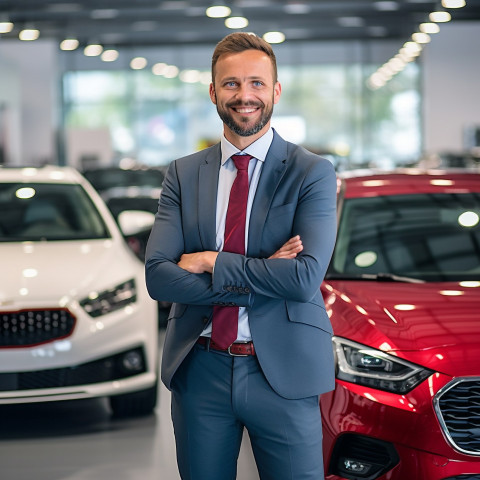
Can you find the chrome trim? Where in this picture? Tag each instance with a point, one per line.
(438, 411)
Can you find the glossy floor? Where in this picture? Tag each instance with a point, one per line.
(78, 440)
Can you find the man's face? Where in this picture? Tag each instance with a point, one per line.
(244, 92)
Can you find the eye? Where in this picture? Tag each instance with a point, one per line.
(230, 84)
(258, 83)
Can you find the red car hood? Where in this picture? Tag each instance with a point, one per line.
(436, 325)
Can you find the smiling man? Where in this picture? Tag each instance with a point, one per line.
(241, 242)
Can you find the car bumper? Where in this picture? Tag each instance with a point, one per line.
(109, 355)
(389, 436)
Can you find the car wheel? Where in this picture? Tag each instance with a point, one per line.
(134, 404)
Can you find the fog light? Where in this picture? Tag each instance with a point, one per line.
(356, 457)
(132, 361)
(355, 466)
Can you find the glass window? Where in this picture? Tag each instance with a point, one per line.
(432, 237)
(327, 108)
(42, 211)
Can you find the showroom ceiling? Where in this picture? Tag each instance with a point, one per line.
(130, 23)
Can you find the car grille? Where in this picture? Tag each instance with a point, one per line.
(102, 370)
(458, 410)
(26, 328)
(464, 477)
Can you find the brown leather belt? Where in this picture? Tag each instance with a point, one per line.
(237, 349)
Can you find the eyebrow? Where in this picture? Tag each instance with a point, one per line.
(253, 77)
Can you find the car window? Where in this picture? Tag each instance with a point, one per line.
(112, 178)
(41, 211)
(432, 237)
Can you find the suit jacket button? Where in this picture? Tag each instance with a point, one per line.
(205, 320)
(246, 290)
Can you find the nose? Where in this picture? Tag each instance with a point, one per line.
(243, 92)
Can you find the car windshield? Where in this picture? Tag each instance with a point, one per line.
(42, 211)
(429, 237)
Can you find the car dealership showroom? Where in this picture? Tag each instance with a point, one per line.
(97, 98)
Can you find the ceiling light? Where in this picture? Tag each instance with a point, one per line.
(440, 17)
(138, 63)
(144, 25)
(64, 7)
(190, 76)
(6, 26)
(109, 55)
(274, 37)
(453, 3)
(93, 50)
(297, 8)
(159, 68)
(429, 28)
(29, 34)
(421, 37)
(236, 22)
(171, 71)
(413, 47)
(218, 11)
(104, 13)
(386, 6)
(206, 78)
(69, 44)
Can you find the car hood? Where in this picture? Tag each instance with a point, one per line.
(54, 273)
(433, 324)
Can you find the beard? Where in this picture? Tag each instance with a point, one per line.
(243, 129)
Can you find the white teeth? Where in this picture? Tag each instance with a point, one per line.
(245, 110)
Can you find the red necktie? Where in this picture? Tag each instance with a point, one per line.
(225, 319)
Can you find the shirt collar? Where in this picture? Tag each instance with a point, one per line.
(258, 149)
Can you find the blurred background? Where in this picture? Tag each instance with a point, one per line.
(366, 83)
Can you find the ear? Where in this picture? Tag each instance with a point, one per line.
(277, 90)
(213, 95)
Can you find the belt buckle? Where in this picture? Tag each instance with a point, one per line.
(237, 354)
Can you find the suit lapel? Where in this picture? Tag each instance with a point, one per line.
(207, 198)
(272, 172)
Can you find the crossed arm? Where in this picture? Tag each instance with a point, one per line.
(203, 262)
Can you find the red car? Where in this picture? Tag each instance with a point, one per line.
(403, 295)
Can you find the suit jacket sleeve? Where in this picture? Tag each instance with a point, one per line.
(165, 280)
(296, 279)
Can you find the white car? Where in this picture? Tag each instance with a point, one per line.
(76, 320)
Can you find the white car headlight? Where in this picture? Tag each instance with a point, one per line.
(357, 363)
(101, 303)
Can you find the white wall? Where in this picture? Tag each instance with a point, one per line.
(451, 86)
(28, 89)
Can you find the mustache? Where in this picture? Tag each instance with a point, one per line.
(240, 103)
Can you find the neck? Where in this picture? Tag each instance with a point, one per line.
(243, 142)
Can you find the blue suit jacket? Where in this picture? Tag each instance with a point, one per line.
(291, 331)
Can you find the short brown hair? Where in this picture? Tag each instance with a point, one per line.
(240, 41)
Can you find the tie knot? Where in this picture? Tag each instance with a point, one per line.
(241, 161)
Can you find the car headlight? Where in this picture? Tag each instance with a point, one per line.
(357, 363)
(101, 303)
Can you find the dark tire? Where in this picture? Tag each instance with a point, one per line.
(135, 404)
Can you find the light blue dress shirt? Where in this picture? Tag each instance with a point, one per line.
(226, 177)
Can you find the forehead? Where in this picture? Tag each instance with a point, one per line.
(246, 63)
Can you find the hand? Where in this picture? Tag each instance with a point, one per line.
(199, 262)
(289, 249)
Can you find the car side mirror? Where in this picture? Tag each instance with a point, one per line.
(132, 222)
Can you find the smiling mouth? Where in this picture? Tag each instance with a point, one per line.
(245, 110)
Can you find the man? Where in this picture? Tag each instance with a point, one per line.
(269, 379)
